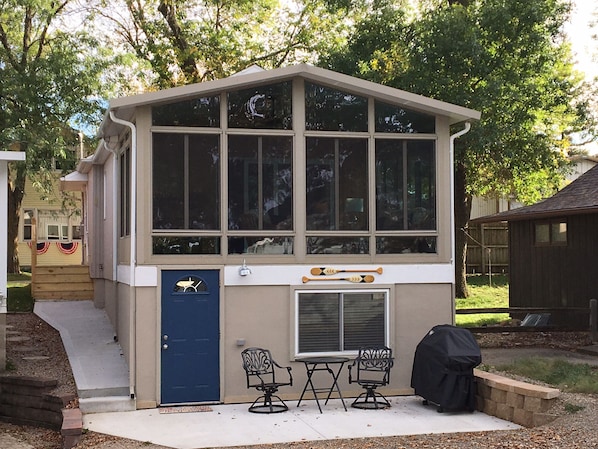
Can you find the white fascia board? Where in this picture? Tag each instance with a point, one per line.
(12, 156)
(293, 274)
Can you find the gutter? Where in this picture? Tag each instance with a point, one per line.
(133, 255)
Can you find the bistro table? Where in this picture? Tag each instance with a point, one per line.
(313, 364)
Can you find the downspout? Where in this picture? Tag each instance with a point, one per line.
(133, 262)
(452, 162)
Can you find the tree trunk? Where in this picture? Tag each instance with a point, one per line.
(462, 214)
(16, 188)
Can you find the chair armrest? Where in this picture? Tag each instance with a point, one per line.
(288, 368)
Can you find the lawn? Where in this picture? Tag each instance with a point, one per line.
(19, 293)
(484, 294)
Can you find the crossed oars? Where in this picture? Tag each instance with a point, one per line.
(355, 278)
(327, 271)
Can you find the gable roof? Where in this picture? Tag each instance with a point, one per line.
(124, 107)
(579, 197)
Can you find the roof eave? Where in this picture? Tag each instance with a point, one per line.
(124, 107)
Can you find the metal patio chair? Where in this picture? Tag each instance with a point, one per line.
(261, 371)
(372, 370)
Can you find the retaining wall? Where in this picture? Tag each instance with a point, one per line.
(512, 400)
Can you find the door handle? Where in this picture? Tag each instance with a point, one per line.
(164, 346)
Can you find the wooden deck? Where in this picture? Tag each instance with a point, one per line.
(66, 282)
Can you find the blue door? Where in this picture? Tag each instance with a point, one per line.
(190, 364)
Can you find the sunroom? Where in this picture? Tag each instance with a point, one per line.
(296, 209)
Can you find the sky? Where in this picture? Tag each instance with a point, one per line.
(580, 33)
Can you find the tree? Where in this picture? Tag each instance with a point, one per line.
(47, 87)
(508, 60)
(183, 42)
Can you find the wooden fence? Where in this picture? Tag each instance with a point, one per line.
(487, 248)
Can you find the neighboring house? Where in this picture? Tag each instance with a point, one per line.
(214, 208)
(487, 245)
(57, 227)
(553, 250)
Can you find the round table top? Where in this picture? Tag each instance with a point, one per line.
(323, 359)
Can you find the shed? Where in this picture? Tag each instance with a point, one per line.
(553, 250)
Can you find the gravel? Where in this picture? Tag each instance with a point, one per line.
(41, 353)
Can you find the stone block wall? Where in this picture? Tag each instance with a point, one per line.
(28, 401)
(519, 402)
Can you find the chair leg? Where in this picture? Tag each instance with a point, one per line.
(267, 406)
(372, 400)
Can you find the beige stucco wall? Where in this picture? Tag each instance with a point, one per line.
(263, 316)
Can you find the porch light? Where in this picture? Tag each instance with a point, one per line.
(244, 270)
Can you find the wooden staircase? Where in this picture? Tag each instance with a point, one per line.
(67, 282)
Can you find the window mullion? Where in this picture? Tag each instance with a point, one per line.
(337, 184)
(341, 323)
(405, 184)
(260, 182)
(186, 184)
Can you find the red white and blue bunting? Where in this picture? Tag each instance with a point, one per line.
(67, 247)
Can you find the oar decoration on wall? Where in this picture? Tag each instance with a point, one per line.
(327, 271)
(357, 278)
(322, 274)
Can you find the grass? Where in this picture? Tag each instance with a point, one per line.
(567, 376)
(19, 293)
(484, 295)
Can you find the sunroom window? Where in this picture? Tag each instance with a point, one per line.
(261, 107)
(260, 194)
(329, 109)
(340, 321)
(395, 119)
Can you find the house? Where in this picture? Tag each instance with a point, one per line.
(216, 211)
(553, 249)
(58, 230)
(488, 243)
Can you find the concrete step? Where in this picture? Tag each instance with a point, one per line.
(107, 391)
(107, 404)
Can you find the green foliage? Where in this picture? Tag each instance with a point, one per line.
(49, 85)
(507, 60)
(19, 297)
(183, 42)
(484, 295)
(567, 376)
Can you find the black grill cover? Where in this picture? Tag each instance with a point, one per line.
(443, 367)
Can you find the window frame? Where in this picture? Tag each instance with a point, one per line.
(386, 291)
(551, 224)
(369, 244)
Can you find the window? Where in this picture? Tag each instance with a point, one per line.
(337, 184)
(57, 232)
(328, 109)
(125, 193)
(261, 107)
(260, 193)
(340, 322)
(203, 111)
(28, 216)
(552, 232)
(405, 185)
(186, 181)
(395, 119)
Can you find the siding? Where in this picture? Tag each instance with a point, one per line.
(555, 276)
